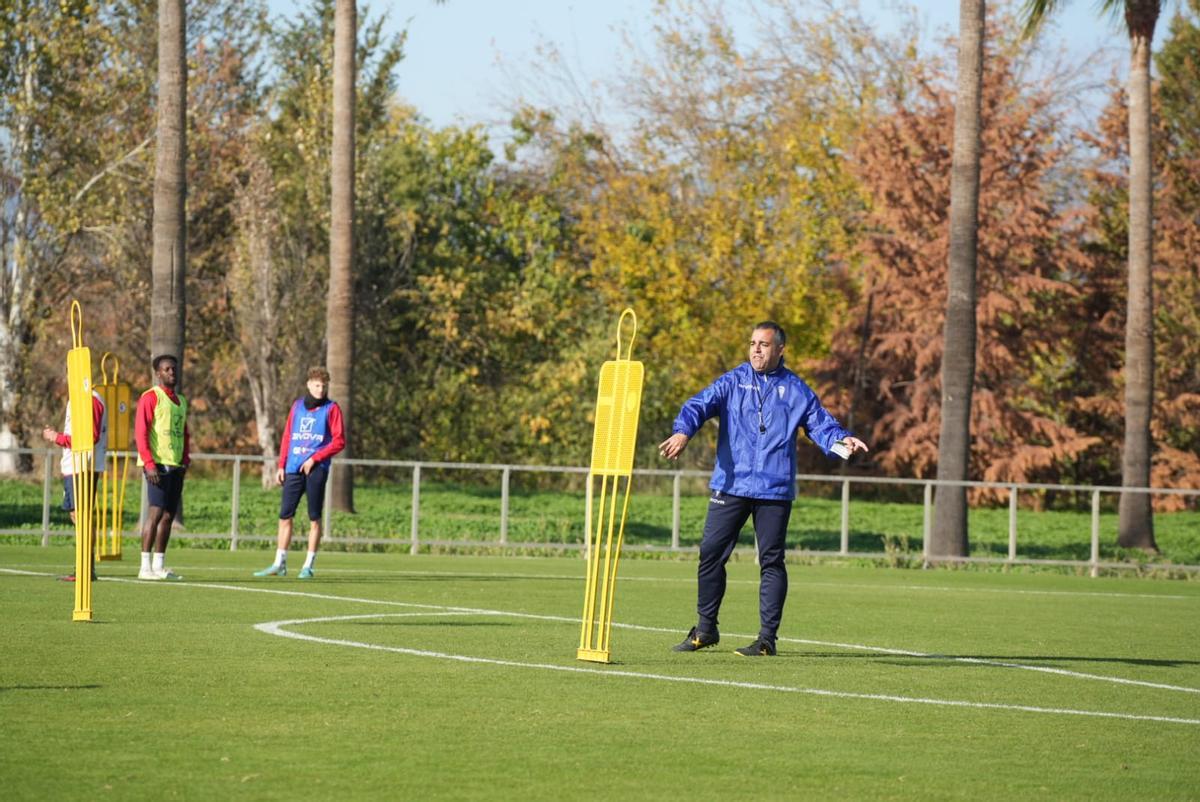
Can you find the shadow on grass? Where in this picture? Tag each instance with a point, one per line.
(334, 580)
(438, 624)
(4, 688)
(918, 660)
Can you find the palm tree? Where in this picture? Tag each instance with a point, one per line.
(339, 323)
(949, 534)
(1135, 520)
(169, 265)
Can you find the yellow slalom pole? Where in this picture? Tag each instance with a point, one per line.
(612, 588)
(618, 403)
(117, 396)
(609, 566)
(84, 545)
(79, 397)
(102, 546)
(102, 514)
(588, 637)
(120, 465)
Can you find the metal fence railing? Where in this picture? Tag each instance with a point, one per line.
(505, 472)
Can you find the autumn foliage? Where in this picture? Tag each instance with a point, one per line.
(1029, 255)
(804, 178)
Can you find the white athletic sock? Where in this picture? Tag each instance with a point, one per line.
(157, 561)
(145, 561)
(281, 556)
(312, 558)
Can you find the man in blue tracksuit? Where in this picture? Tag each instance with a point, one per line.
(760, 405)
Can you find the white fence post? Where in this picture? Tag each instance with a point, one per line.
(416, 510)
(675, 510)
(1095, 533)
(47, 472)
(845, 516)
(927, 524)
(1012, 523)
(235, 503)
(504, 505)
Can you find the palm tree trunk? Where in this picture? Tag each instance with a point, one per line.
(1136, 521)
(339, 323)
(949, 535)
(169, 266)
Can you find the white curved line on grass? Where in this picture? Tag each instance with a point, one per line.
(1002, 664)
(564, 619)
(637, 627)
(278, 628)
(977, 660)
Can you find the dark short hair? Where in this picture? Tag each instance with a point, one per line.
(771, 325)
(158, 360)
(318, 372)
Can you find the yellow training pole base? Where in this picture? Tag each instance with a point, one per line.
(593, 655)
(81, 615)
(104, 558)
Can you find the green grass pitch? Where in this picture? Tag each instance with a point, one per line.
(453, 677)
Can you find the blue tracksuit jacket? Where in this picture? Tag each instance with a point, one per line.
(749, 462)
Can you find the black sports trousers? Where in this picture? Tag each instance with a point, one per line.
(726, 516)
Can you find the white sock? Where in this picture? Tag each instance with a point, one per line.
(281, 556)
(157, 561)
(145, 561)
(312, 558)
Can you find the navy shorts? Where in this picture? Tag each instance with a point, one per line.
(296, 485)
(166, 494)
(68, 504)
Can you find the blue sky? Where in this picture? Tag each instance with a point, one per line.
(465, 56)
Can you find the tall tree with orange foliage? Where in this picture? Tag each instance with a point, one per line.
(1176, 423)
(1028, 254)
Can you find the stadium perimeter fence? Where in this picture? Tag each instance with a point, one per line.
(504, 473)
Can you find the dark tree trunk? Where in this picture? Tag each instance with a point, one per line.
(1136, 520)
(340, 311)
(169, 267)
(949, 535)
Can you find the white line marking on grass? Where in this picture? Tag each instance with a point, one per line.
(1000, 663)
(637, 627)
(692, 581)
(24, 573)
(1015, 591)
(936, 656)
(278, 628)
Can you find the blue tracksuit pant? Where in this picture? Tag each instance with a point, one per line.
(726, 516)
